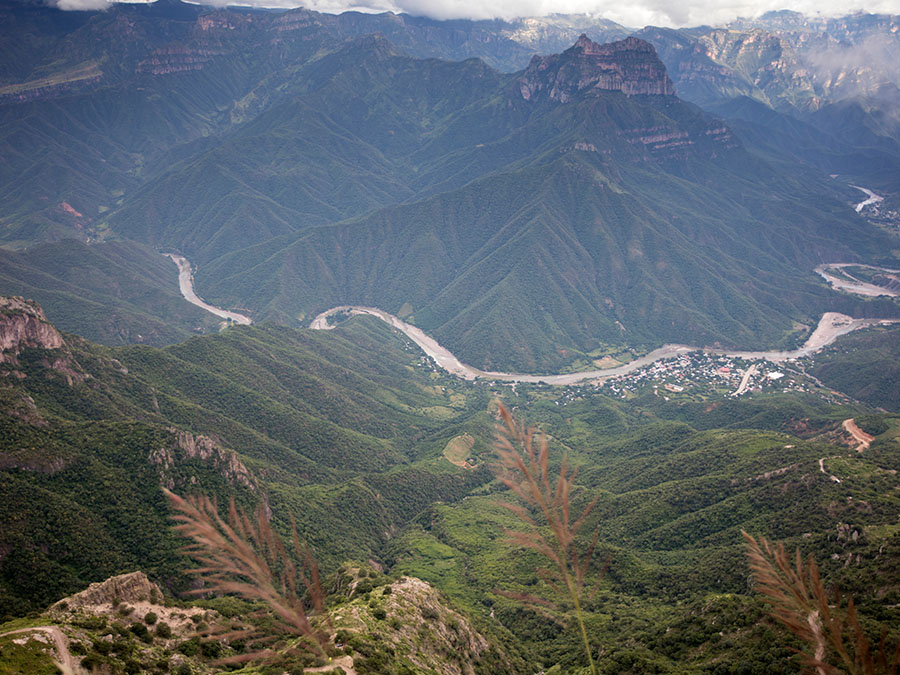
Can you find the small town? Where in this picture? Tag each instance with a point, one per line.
(706, 374)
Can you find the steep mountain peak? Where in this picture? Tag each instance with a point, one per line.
(630, 66)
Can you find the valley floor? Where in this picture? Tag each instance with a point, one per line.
(831, 326)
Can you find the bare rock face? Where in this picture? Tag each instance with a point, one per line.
(630, 66)
(188, 446)
(23, 324)
(131, 588)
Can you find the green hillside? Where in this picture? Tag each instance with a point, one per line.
(577, 215)
(113, 293)
(331, 168)
(330, 435)
(345, 431)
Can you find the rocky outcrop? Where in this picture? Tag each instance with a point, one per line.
(413, 620)
(23, 324)
(188, 446)
(630, 66)
(177, 59)
(131, 588)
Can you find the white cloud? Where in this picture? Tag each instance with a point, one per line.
(637, 13)
(634, 13)
(81, 5)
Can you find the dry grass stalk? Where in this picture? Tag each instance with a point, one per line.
(523, 467)
(836, 643)
(245, 557)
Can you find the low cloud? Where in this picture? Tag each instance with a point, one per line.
(82, 5)
(638, 13)
(635, 14)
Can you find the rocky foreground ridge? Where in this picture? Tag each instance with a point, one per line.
(630, 66)
(376, 624)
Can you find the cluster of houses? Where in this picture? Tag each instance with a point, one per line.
(700, 373)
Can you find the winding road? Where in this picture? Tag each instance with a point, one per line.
(64, 660)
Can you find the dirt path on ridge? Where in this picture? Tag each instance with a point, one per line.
(64, 662)
(860, 436)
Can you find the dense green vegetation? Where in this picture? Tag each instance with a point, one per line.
(113, 293)
(305, 171)
(302, 163)
(344, 431)
(865, 366)
(322, 428)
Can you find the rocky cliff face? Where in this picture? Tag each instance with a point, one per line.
(630, 66)
(22, 325)
(132, 588)
(187, 446)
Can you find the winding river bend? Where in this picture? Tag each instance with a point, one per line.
(871, 198)
(831, 326)
(186, 285)
(851, 284)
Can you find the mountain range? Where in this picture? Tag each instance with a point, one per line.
(540, 195)
(528, 220)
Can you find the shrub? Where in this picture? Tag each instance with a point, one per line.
(91, 661)
(141, 631)
(150, 618)
(90, 622)
(211, 649)
(163, 630)
(190, 647)
(102, 647)
(379, 613)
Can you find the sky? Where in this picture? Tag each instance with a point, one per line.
(631, 13)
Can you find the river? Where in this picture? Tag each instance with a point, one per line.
(830, 327)
(872, 198)
(854, 285)
(186, 284)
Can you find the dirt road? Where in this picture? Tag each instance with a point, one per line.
(861, 437)
(64, 660)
